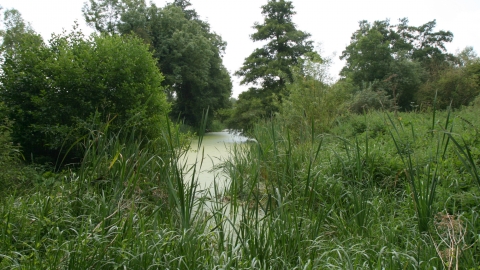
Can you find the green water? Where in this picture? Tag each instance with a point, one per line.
(213, 151)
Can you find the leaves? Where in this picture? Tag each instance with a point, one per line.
(396, 59)
(270, 67)
(54, 91)
(187, 52)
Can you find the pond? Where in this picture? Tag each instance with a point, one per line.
(214, 150)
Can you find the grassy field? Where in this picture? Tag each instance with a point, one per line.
(378, 191)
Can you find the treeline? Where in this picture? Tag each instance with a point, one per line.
(144, 63)
(390, 66)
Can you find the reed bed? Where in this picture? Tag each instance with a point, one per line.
(375, 192)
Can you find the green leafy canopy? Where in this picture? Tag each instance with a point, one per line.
(54, 90)
(188, 53)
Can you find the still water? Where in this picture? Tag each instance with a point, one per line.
(214, 150)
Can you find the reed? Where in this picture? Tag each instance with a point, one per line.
(293, 201)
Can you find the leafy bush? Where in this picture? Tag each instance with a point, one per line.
(455, 86)
(369, 99)
(311, 101)
(476, 102)
(15, 177)
(54, 92)
(9, 154)
(249, 109)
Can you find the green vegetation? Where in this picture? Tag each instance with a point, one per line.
(361, 198)
(187, 52)
(410, 65)
(54, 91)
(385, 193)
(270, 66)
(345, 175)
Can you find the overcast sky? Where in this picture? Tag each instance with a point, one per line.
(331, 23)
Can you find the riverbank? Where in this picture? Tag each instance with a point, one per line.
(378, 191)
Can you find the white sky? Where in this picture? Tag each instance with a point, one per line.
(331, 23)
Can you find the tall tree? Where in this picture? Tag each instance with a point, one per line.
(190, 14)
(395, 58)
(189, 54)
(369, 53)
(190, 58)
(456, 85)
(15, 28)
(103, 15)
(270, 66)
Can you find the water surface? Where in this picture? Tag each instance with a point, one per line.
(213, 151)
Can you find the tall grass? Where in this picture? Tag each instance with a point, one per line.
(294, 200)
(345, 204)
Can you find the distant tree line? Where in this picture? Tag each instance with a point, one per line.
(410, 65)
(388, 66)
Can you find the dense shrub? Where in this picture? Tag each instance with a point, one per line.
(369, 99)
(455, 86)
(54, 92)
(312, 101)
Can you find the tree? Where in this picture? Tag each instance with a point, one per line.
(270, 67)
(395, 58)
(190, 14)
(191, 60)
(456, 85)
(103, 15)
(312, 102)
(189, 54)
(247, 110)
(429, 46)
(53, 91)
(15, 29)
(369, 54)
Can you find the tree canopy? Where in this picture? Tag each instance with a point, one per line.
(188, 53)
(269, 67)
(54, 90)
(396, 58)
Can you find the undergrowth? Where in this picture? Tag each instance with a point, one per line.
(378, 191)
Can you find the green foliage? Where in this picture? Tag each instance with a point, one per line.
(396, 58)
(188, 53)
(10, 155)
(115, 211)
(102, 14)
(476, 102)
(455, 86)
(249, 109)
(368, 100)
(311, 101)
(296, 197)
(311, 202)
(53, 91)
(406, 79)
(271, 66)
(364, 188)
(369, 54)
(15, 29)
